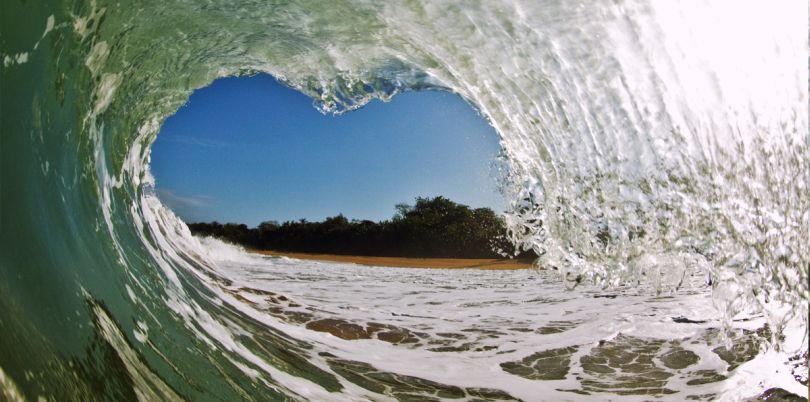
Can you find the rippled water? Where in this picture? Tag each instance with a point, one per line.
(647, 146)
(415, 333)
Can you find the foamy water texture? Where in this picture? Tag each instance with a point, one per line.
(420, 333)
(654, 149)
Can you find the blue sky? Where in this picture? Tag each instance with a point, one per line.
(249, 150)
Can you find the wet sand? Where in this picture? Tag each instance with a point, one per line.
(403, 262)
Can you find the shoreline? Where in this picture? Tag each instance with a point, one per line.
(408, 262)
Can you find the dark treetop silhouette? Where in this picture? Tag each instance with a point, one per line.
(431, 228)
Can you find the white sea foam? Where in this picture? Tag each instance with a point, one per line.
(474, 305)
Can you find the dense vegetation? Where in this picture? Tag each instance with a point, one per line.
(433, 227)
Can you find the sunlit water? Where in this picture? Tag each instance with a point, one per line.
(648, 147)
(414, 333)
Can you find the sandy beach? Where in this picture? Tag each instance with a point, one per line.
(403, 262)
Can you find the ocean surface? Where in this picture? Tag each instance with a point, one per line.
(655, 155)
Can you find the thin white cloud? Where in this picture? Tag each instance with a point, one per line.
(190, 140)
(178, 201)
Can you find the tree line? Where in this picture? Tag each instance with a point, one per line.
(431, 228)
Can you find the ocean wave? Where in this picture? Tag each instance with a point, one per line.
(646, 149)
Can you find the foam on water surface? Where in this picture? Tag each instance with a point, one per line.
(518, 332)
